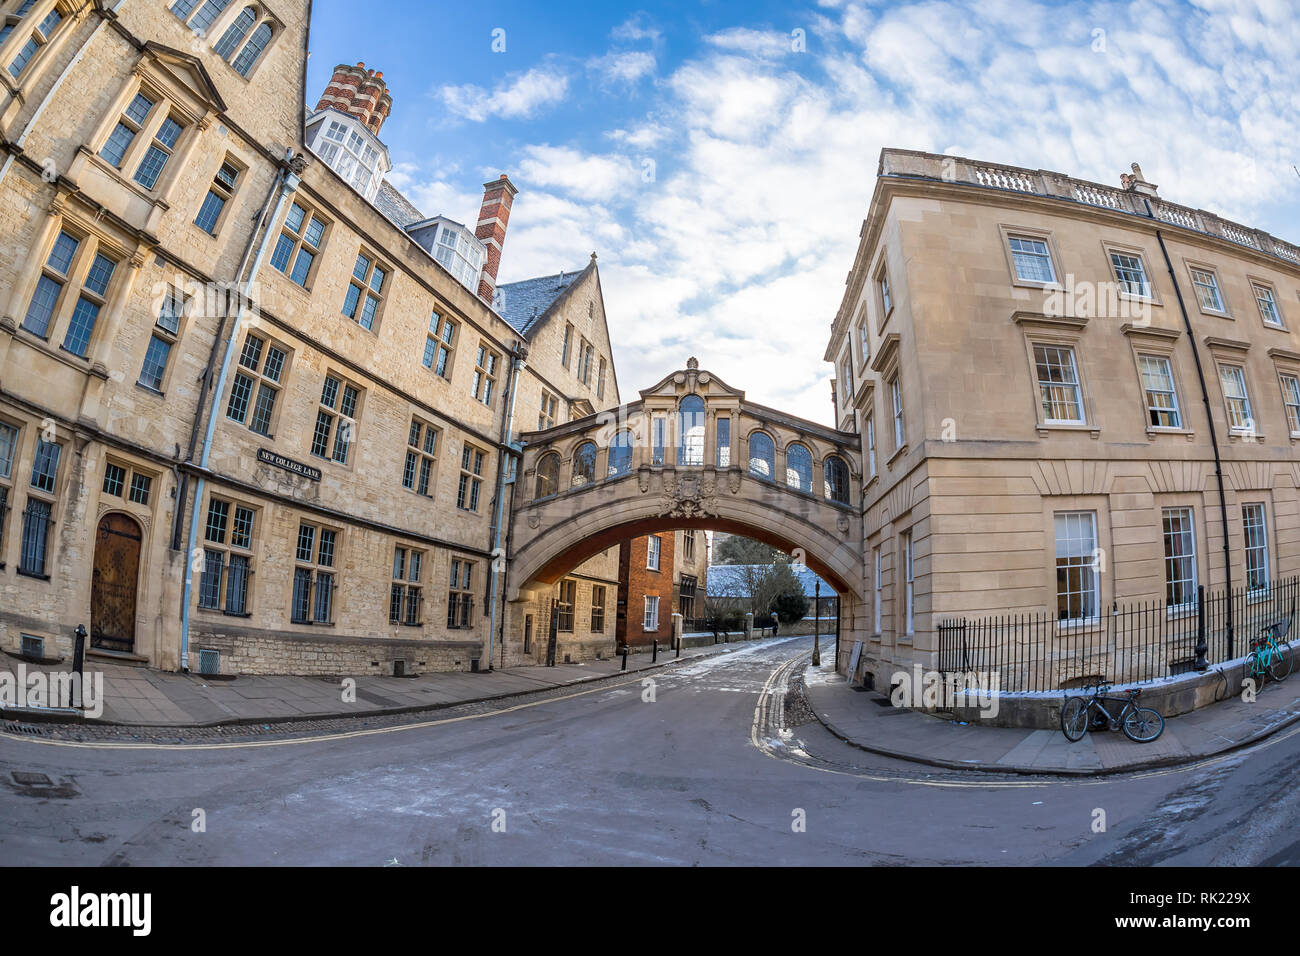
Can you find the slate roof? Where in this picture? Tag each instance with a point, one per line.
(396, 206)
(523, 303)
(727, 580)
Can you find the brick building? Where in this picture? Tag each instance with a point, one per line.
(658, 576)
(249, 420)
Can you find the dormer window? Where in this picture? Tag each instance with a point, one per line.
(354, 155)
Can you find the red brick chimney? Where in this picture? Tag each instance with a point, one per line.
(359, 92)
(498, 196)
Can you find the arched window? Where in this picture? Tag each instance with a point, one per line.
(690, 431)
(235, 33)
(548, 476)
(762, 456)
(798, 468)
(620, 454)
(252, 50)
(837, 480)
(584, 464)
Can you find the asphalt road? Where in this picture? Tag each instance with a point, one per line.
(703, 774)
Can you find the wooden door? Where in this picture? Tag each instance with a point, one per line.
(115, 583)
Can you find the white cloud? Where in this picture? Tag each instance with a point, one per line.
(623, 68)
(518, 98)
(592, 177)
(768, 44)
(637, 27)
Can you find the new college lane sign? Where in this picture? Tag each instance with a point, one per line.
(288, 464)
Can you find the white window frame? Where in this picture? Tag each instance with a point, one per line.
(651, 619)
(1074, 561)
(1244, 398)
(1254, 518)
(907, 548)
(1046, 402)
(652, 552)
(1186, 533)
(1148, 392)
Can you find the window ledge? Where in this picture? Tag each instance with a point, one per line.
(33, 575)
(1044, 428)
(889, 462)
(1249, 438)
(874, 638)
(1154, 430)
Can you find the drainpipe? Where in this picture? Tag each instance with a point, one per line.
(31, 123)
(518, 364)
(1201, 662)
(288, 184)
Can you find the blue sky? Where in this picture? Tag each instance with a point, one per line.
(719, 157)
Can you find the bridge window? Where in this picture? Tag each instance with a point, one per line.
(548, 476)
(659, 430)
(690, 431)
(584, 464)
(762, 456)
(620, 454)
(723, 428)
(837, 480)
(798, 468)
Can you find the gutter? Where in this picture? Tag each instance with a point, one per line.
(287, 182)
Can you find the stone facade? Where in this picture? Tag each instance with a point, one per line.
(1033, 331)
(145, 174)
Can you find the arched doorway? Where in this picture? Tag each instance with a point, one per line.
(115, 583)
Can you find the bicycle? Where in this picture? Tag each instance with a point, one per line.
(1267, 655)
(1140, 724)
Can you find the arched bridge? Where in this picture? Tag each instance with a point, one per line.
(692, 453)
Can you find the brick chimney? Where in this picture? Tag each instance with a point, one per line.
(359, 92)
(498, 196)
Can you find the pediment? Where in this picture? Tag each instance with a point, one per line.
(692, 379)
(188, 73)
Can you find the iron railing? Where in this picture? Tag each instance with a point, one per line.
(1131, 643)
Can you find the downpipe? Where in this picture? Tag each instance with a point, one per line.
(518, 364)
(287, 183)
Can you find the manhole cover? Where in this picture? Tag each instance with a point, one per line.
(31, 779)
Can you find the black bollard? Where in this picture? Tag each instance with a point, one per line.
(679, 649)
(79, 659)
(654, 653)
(624, 667)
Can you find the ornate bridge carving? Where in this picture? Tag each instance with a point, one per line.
(691, 453)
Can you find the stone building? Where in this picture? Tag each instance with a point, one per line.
(1044, 372)
(249, 421)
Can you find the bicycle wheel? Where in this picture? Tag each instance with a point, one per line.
(1143, 725)
(1074, 718)
(1279, 665)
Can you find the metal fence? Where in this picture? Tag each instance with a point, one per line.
(1130, 643)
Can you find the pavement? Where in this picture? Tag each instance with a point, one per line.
(867, 720)
(138, 697)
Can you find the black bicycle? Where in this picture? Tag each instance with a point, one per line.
(1140, 724)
